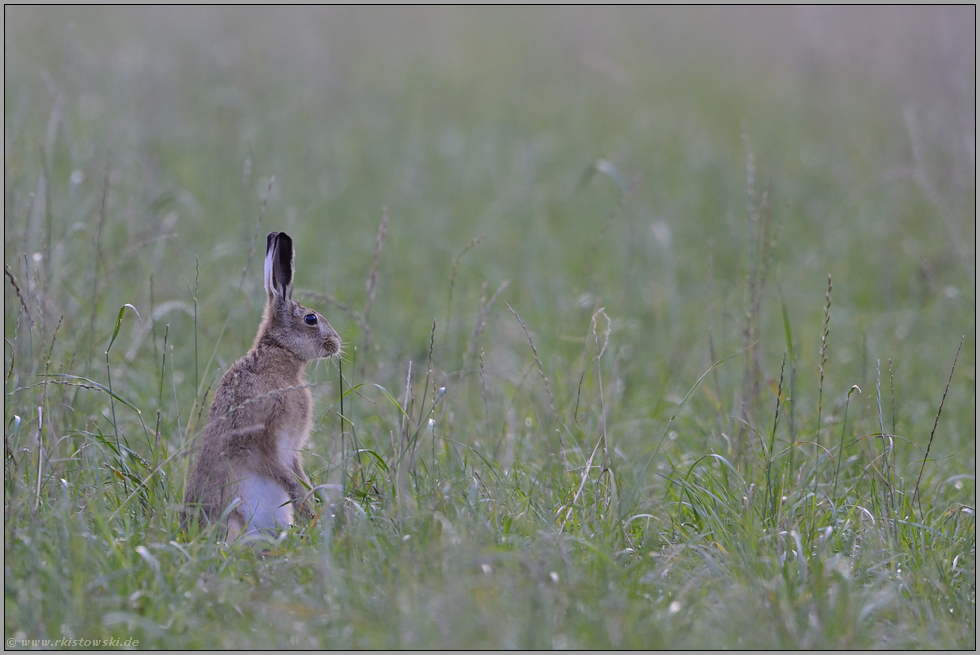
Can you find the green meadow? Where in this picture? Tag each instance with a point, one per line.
(659, 325)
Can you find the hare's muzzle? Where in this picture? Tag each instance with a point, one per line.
(331, 340)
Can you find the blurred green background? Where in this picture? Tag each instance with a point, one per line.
(695, 172)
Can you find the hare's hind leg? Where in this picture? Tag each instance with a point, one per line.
(304, 502)
(236, 524)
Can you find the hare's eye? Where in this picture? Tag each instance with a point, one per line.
(310, 319)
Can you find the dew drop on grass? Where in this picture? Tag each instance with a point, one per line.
(674, 607)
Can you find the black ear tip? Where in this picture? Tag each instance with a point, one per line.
(284, 253)
(270, 241)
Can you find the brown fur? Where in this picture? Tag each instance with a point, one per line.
(261, 414)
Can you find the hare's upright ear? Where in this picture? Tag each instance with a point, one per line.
(279, 267)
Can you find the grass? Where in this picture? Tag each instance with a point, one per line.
(649, 339)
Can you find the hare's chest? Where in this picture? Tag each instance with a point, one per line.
(291, 424)
(289, 444)
(294, 402)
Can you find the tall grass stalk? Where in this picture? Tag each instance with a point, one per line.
(887, 460)
(843, 433)
(449, 302)
(241, 281)
(372, 279)
(932, 434)
(112, 404)
(825, 332)
(770, 490)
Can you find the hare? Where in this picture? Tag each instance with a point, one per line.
(260, 417)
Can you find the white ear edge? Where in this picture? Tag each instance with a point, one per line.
(269, 254)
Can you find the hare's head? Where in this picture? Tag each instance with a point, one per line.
(298, 329)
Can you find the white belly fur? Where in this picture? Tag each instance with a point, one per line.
(264, 504)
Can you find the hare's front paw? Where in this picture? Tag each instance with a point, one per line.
(305, 510)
